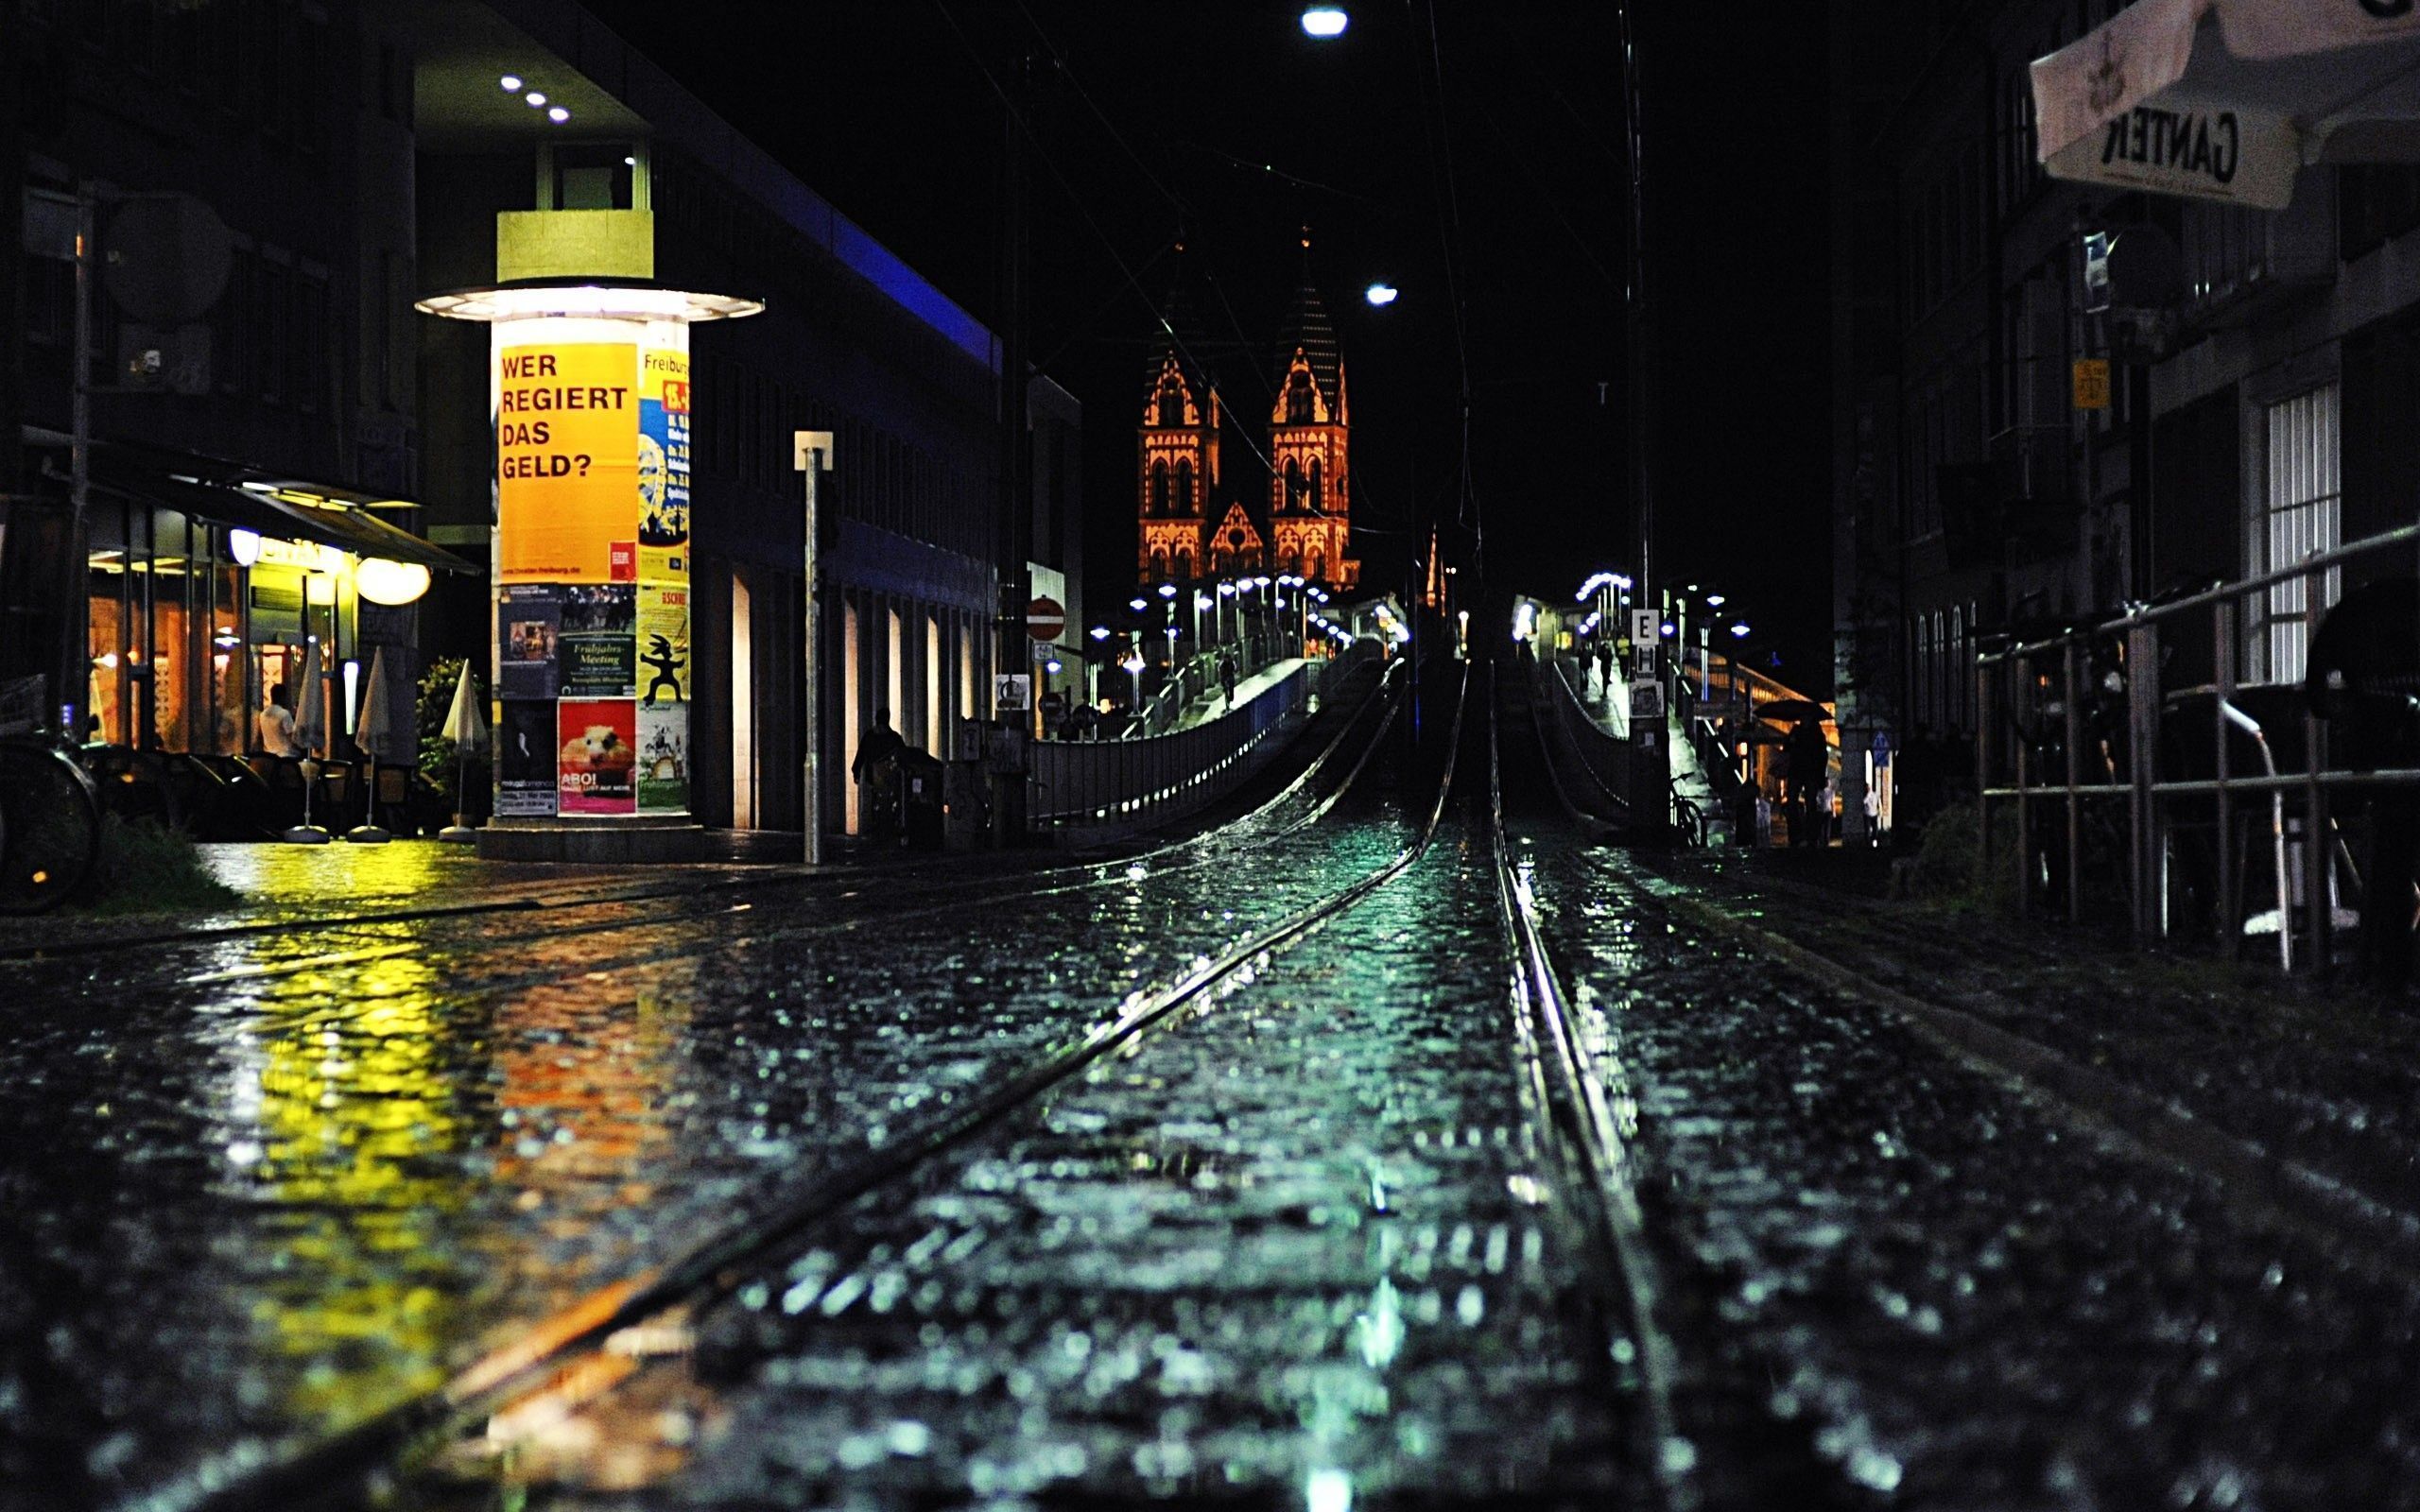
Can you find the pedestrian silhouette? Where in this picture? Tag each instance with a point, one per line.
(877, 767)
(1227, 678)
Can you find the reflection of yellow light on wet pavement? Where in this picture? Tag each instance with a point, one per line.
(357, 1121)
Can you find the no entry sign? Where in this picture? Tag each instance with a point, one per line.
(1045, 618)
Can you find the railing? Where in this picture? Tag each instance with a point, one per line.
(1120, 783)
(1195, 676)
(1605, 758)
(2160, 775)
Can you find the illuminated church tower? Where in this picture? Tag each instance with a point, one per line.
(1177, 453)
(1310, 502)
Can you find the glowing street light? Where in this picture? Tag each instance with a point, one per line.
(1324, 21)
(1381, 293)
(1739, 629)
(1099, 632)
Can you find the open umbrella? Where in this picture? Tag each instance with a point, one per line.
(2226, 99)
(310, 728)
(376, 732)
(468, 732)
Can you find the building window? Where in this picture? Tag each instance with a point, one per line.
(2297, 511)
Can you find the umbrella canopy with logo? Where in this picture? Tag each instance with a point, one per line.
(2225, 99)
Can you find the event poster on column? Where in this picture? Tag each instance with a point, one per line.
(664, 758)
(664, 466)
(595, 768)
(525, 773)
(566, 457)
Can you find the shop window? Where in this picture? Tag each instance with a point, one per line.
(2298, 510)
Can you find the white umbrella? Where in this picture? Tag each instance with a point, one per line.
(310, 728)
(468, 731)
(380, 740)
(2226, 99)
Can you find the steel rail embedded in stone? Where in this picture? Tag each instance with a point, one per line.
(340, 1470)
(1572, 1086)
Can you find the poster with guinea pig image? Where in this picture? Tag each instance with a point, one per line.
(595, 764)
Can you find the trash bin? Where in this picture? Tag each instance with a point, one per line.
(920, 800)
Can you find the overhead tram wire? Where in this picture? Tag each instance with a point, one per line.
(1449, 231)
(1034, 140)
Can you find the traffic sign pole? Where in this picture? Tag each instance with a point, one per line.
(809, 451)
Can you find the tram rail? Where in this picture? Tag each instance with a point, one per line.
(1207, 848)
(576, 1351)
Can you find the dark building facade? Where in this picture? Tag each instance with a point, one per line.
(2257, 395)
(362, 155)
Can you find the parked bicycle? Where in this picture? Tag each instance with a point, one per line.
(51, 824)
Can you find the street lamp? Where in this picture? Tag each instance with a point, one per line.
(1381, 293)
(1324, 21)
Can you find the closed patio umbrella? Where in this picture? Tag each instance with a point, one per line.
(310, 728)
(468, 733)
(380, 740)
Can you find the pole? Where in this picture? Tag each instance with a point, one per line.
(73, 694)
(809, 451)
(1654, 759)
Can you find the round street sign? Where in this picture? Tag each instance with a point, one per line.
(1045, 618)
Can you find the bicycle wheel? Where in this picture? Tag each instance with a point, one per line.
(51, 819)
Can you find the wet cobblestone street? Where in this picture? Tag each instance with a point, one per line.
(1309, 1237)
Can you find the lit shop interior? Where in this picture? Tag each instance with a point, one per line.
(203, 596)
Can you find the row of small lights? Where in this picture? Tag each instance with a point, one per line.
(536, 99)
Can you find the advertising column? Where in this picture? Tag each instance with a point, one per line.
(593, 645)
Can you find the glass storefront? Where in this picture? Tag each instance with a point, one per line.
(184, 639)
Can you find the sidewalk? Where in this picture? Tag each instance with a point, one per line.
(1213, 703)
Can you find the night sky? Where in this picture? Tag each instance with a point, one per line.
(1468, 150)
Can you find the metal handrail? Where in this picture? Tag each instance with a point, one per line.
(2003, 682)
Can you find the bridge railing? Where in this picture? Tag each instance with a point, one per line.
(1605, 758)
(1113, 784)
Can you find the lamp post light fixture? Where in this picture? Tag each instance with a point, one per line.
(1381, 293)
(1324, 21)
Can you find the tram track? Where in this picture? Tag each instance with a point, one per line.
(938, 898)
(829, 886)
(1577, 1089)
(586, 1347)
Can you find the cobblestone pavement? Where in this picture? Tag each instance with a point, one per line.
(1295, 1247)
(1290, 1251)
(259, 1186)
(1958, 1299)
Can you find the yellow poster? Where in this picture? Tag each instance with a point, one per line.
(567, 461)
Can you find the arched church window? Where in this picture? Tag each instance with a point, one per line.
(1159, 488)
(1159, 564)
(1312, 489)
(1315, 569)
(1293, 484)
(1298, 398)
(1184, 501)
(1172, 403)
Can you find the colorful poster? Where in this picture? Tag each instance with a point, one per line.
(594, 765)
(663, 643)
(664, 758)
(566, 451)
(527, 619)
(663, 448)
(525, 773)
(595, 641)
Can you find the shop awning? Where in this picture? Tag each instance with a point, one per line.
(2225, 99)
(266, 503)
